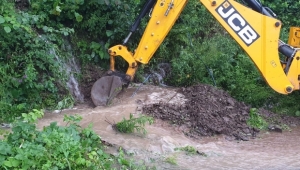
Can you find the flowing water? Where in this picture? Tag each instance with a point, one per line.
(269, 151)
(70, 67)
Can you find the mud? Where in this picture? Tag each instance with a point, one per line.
(207, 111)
(268, 150)
(90, 74)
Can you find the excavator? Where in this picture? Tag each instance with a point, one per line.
(254, 27)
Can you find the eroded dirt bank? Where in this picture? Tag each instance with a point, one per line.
(207, 111)
(268, 150)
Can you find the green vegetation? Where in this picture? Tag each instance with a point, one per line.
(285, 11)
(31, 76)
(202, 52)
(37, 37)
(171, 160)
(190, 150)
(56, 147)
(134, 124)
(256, 121)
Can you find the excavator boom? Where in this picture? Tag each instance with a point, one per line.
(255, 29)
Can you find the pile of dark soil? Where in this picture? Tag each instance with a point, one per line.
(208, 111)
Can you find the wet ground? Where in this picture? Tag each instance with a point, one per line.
(268, 150)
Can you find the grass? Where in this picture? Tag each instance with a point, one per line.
(256, 121)
(190, 150)
(133, 124)
(171, 160)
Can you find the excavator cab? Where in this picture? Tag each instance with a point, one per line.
(253, 26)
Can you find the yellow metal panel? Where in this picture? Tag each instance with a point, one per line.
(294, 71)
(122, 51)
(257, 34)
(294, 37)
(162, 19)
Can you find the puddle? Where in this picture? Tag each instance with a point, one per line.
(269, 151)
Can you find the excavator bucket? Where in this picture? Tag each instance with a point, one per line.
(105, 89)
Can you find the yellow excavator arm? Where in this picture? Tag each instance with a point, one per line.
(255, 29)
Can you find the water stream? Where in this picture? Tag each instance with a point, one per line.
(269, 151)
(71, 68)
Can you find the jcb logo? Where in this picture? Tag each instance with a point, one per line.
(238, 24)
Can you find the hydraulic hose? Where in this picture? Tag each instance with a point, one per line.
(148, 5)
(256, 6)
(283, 48)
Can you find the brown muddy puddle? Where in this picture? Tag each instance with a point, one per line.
(269, 151)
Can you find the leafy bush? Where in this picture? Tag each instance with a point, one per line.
(98, 23)
(31, 76)
(133, 124)
(171, 160)
(190, 150)
(56, 147)
(285, 11)
(256, 121)
(196, 23)
(53, 148)
(211, 56)
(31, 40)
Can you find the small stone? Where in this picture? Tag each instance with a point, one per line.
(246, 130)
(275, 128)
(230, 101)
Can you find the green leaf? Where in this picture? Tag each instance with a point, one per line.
(57, 9)
(80, 161)
(24, 20)
(93, 54)
(2, 20)
(7, 18)
(109, 33)
(101, 2)
(78, 17)
(95, 46)
(2, 158)
(100, 152)
(101, 54)
(107, 2)
(24, 115)
(5, 148)
(65, 33)
(11, 162)
(110, 21)
(7, 29)
(297, 113)
(20, 157)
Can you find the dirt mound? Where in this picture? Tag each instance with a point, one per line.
(207, 111)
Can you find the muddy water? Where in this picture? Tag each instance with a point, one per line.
(270, 151)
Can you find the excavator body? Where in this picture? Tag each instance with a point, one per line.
(254, 27)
